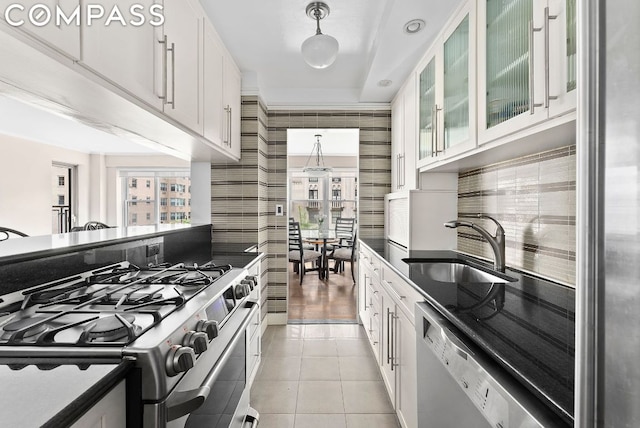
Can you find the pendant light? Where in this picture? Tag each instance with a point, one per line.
(319, 50)
(319, 170)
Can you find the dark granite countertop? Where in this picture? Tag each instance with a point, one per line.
(34, 397)
(528, 325)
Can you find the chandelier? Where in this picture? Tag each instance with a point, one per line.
(319, 169)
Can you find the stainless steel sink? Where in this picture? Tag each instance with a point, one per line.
(456, 272)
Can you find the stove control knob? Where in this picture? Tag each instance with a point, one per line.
(180, 359)
(197, 340)
(242, 290)
(208, 326)
(248, 283)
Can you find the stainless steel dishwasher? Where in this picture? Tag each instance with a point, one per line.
(458, 386)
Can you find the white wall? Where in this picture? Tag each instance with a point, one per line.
(25, 193)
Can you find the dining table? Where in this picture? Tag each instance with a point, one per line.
(320, 239)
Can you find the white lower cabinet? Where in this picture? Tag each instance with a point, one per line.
(386, 311)
(108, 412)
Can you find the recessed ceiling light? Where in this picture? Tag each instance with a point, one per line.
(384, 83)
(414, 26)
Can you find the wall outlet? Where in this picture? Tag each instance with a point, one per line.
(153, 249)
(279, 210)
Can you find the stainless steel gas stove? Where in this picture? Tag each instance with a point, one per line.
(188, 329)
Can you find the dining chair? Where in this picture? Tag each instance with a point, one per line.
(343, 230)
(300, 256)
(95, 225)
(6, 232)
(345, 252)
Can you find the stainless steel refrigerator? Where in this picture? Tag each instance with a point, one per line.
(608, 215)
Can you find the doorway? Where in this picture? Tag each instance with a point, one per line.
(322, 172)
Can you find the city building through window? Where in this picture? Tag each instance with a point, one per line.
(163, 198)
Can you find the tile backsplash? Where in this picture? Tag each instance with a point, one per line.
(534, 198)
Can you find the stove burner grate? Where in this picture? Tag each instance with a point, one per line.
(111, 328)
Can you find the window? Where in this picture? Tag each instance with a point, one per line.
(178, 216)
(61, 180)
(313, 193)
(60, 199)
(313, 179)
(336, 180)
(336, 194)
(150, 201)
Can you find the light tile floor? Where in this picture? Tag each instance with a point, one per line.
(320, 376)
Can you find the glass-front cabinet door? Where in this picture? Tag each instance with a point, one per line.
(447, 91)
(562, 56)
(458, 128)
(526, 63)
(428, 111)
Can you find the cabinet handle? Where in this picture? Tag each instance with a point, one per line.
(388, 336)
(402, 171)
(547, 18)
(392, 334)
(433, 130)
(164, 44)
(532, 104)
(227, 142)
(393, 341)
(229, 128)
(173, 76)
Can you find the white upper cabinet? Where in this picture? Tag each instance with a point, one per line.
(562, 56)
(232, 106)
(65, 38)
(181, 56)
(447, 91)
(127, 55)
(404, 131)
(526, 69)
(222, 103)
(213, 107)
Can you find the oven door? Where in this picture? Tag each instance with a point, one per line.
(218, 397)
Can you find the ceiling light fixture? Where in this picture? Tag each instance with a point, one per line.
(319, 50)
(318, 170)
(414, 26)
(384, 83)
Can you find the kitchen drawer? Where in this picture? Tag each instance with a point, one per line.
(254, 325)
(370, 260)
(403, 293)
(253, 357)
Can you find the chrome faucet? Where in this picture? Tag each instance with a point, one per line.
(497, 242)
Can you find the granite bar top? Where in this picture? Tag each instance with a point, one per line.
(527, 325)
(34, 246)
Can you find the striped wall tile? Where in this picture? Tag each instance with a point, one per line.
(533, 197)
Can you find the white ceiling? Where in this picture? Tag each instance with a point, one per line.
(333, 142)
(264, 38)
(23, 120)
